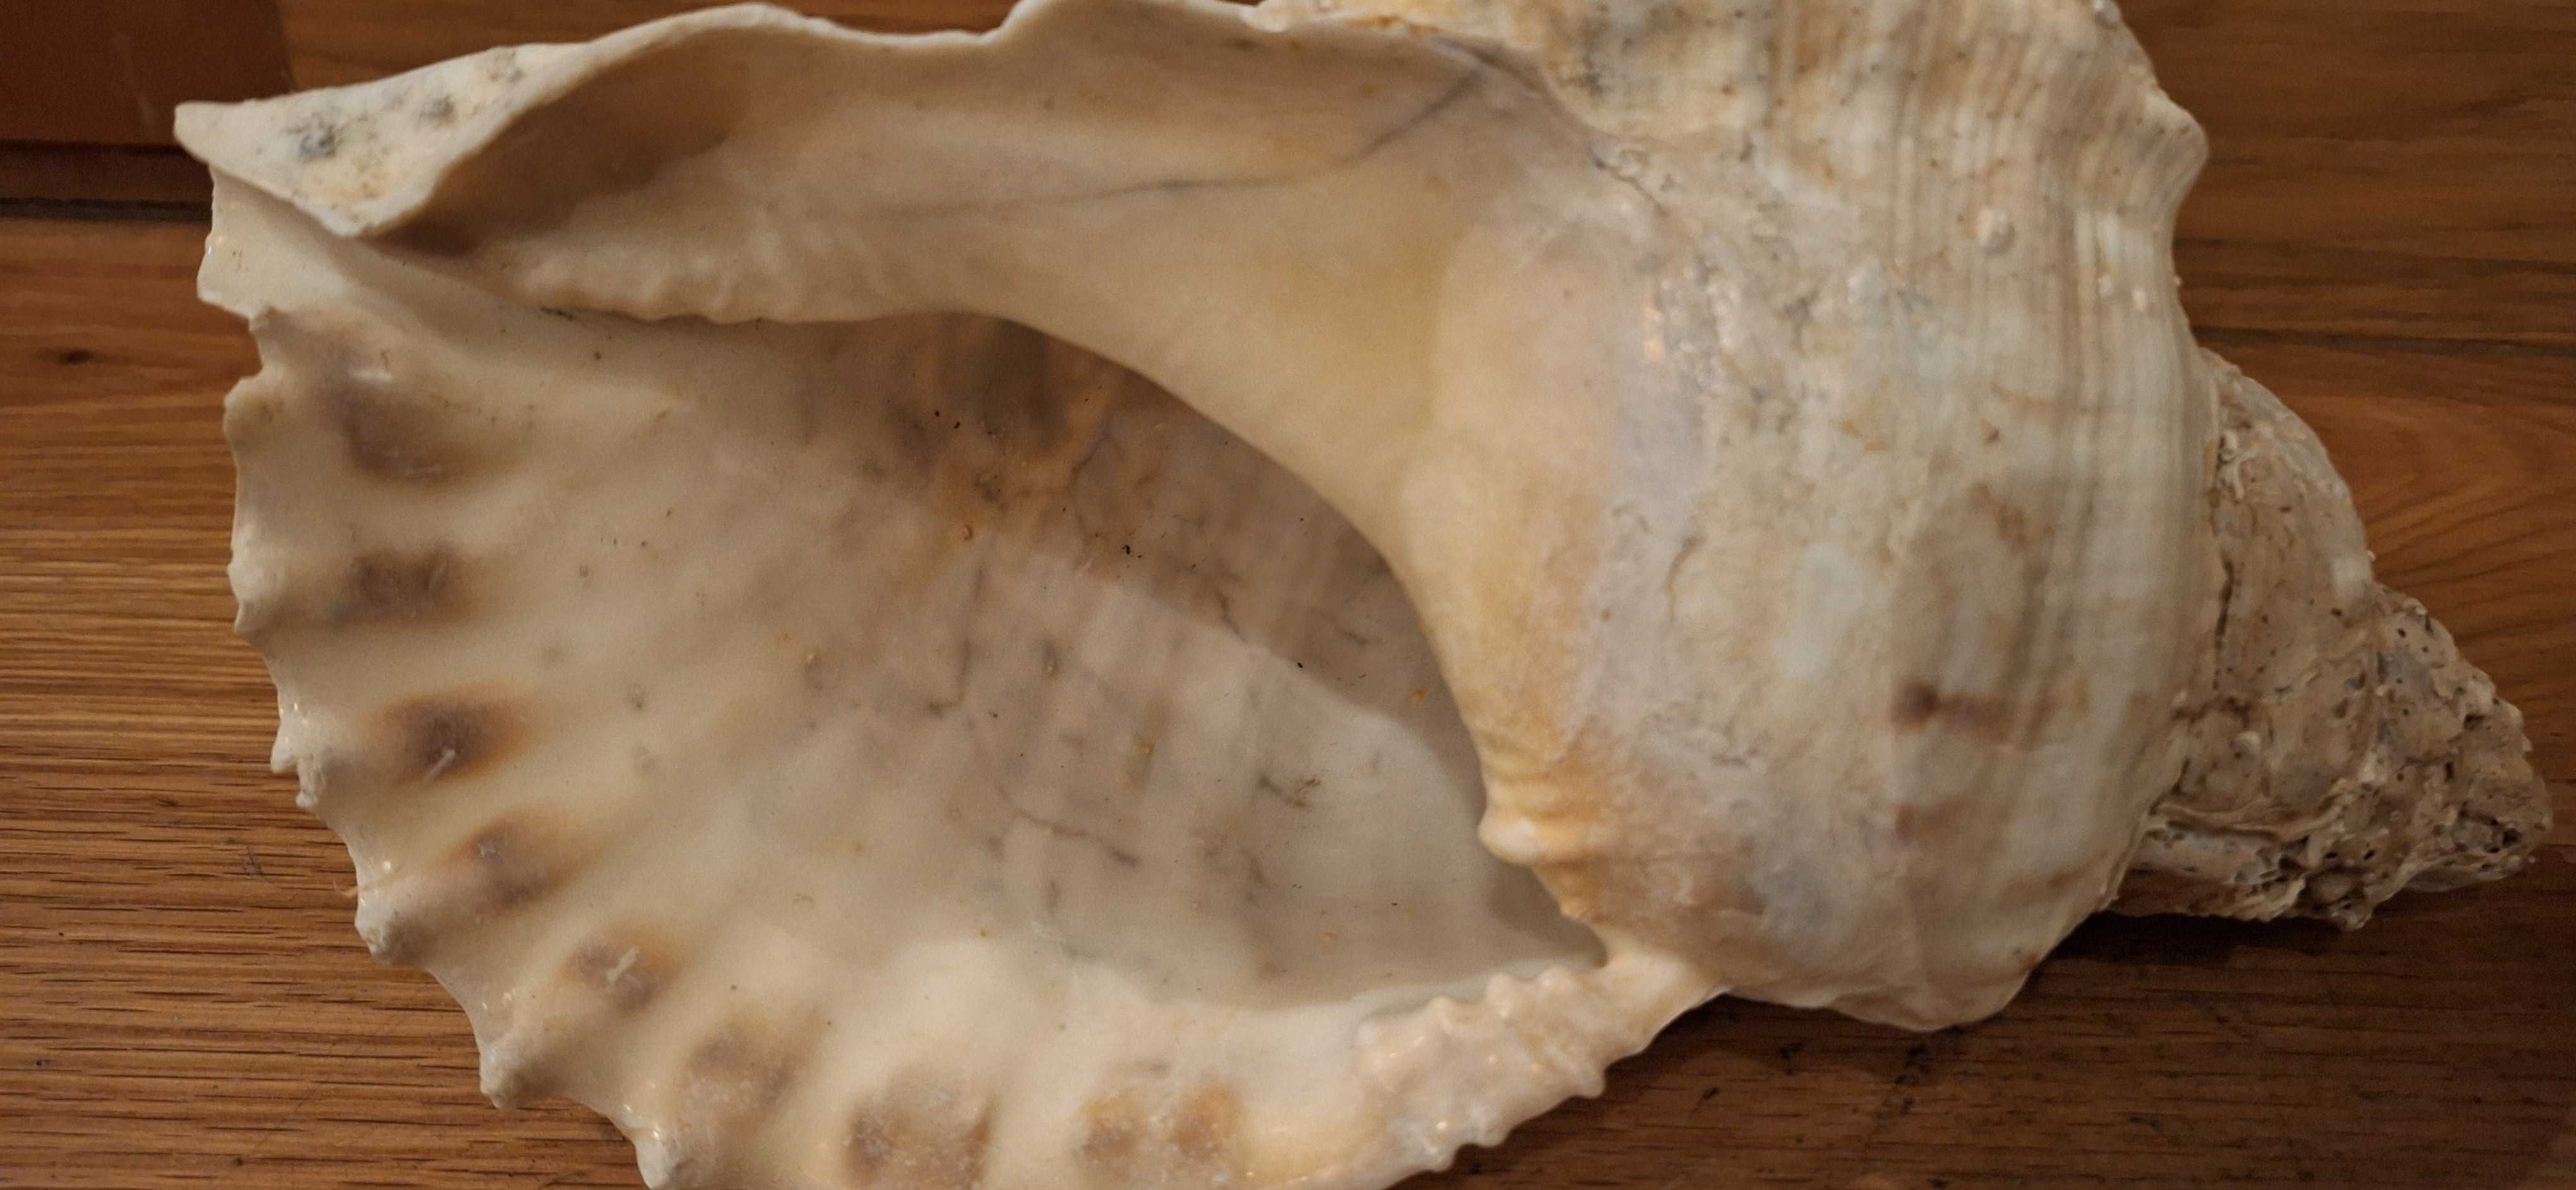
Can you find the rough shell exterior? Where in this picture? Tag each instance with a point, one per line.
(1741, 464)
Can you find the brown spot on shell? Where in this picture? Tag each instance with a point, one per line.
(627, 971)
(1004, 415)
(1208, 1128)
(346, 372)
(394, 585)
(395, 436)
(515, 861)
(1113, 1125)
(1914, 823)
(1194, 1137)
(2012, 523)
(909, 1140)
(448, 737)
(730, 1083)
(507, 865)
(547, 1038)
(1919, 703)
(432, 235)
(1009, 393)
(1916, 703)
(745, 1068)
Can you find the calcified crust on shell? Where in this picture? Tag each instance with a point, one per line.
(1660, 501)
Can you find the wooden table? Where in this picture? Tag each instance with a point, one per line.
(2387, 235)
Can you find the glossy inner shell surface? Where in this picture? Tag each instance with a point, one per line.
(915, 732)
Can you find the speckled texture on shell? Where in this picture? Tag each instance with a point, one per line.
(2343, 751)
(1741, 464)
(695, 698)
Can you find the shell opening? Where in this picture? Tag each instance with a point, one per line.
(922, 681)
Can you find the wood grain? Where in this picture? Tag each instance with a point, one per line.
(42, 179)
(2382, 237)
(109, 72)
(2398, 169)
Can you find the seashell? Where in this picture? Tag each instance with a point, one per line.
(1654, 501)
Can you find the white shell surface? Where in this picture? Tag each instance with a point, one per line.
(911, 746)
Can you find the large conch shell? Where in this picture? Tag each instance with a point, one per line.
(1663, 500)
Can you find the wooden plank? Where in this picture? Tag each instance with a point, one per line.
(2396, 168)
(114, 175)
(2158, 1052)
(110, 71)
